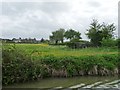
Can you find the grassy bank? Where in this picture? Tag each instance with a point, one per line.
(26, 62)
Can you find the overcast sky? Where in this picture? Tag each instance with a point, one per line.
(39, 19)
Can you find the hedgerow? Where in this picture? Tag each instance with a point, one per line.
(17, 66)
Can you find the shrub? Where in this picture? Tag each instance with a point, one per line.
(77, 45)
(16, 66)
(85, 63)
(108, 42)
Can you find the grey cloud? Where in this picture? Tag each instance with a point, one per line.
(94, 4)
(39, 19)
(26, 11)
(14, 8)
(54, 7)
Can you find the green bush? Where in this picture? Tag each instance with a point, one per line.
(118, 42)
(109, 42)
(86, 63)
(16, 66)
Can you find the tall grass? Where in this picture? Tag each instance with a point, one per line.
(41, 50)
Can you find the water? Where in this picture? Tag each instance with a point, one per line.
(65, 82)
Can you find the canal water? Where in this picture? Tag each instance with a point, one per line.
(65, 82)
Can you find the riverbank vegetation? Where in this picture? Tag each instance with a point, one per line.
(26, 62)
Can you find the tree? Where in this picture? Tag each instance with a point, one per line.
(42, 40)
(57, 36)
(72, 34)
(94, 33)
(108, 30)
(97, 32)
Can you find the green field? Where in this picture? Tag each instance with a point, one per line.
(39, 50)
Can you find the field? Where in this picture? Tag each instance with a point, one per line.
(39, 50)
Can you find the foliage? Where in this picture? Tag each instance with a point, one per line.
(75, 44)
(107, 30)
(109, 42)
(57, 36)
(97, 32)
(118, 43)
(94, 33)
(84, 64)
(16, 66)
(20, 67)
(72, 35)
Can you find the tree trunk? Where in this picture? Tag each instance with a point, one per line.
(56, 42)
(62, 41)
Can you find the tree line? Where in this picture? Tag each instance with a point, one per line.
(98, 34)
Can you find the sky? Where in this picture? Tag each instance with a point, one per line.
(38, 18)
